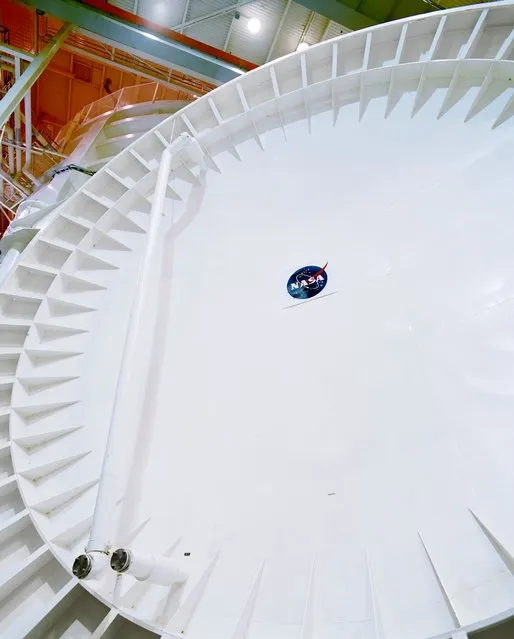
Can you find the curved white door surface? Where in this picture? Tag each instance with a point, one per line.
(331, 459)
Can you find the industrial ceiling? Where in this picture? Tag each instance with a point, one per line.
(284, 24)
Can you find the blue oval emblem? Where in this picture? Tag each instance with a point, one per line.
(307, 282)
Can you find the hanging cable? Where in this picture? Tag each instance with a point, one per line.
(73, 167)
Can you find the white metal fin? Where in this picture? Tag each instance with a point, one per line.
(308, 617)
(52, 333)
(62, 308)
(39, 472)
(506, 555)
(69, 536)
(445, 595)
(36, 440)
(88, 262)
(32, 414)
(479, 98)
(243, 624)
(450, 97)
(51, 505)
(377, 620)
(127, 225)
(104, 242)
(182, 617)
(34, 385)
(507, 111)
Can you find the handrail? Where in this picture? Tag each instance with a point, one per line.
(125, 97)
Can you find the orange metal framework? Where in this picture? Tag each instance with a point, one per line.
(30, 32)
(83, 71)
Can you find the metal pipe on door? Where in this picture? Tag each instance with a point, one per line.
(102, 527)
(127, 400)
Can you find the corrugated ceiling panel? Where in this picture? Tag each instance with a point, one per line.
(198, 8)
(127, 5)
(292, 30)
(213, 32)
(168, 14)
(335, 30)
(251, 46)
(316, 29)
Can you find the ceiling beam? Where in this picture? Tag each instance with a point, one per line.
(180, 28)
(229, 33)
(340, 13)
(213, 14)
(278, 30)
(325, 31)
(146, 40)
(24, 82)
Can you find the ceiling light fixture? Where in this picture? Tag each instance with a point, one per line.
(254, 25)
(303, 46)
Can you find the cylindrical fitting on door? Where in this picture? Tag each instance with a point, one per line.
(90, 565)
(155, 569)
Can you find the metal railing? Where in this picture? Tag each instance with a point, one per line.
(14, 190)
(123, 98)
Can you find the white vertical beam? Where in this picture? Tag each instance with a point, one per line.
(17, 117)
(28, 128)
(246, 107)
(180, 28)
(362, 77)
(367, 51)
(333, 76)
(437, 39)
(229, 33)
(305, 84)
(467, 49)
(506, 46)
(401, 44)
(325, 31)
(430, 56)
(276, 94)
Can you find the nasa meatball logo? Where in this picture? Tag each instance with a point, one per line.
(307, 282)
